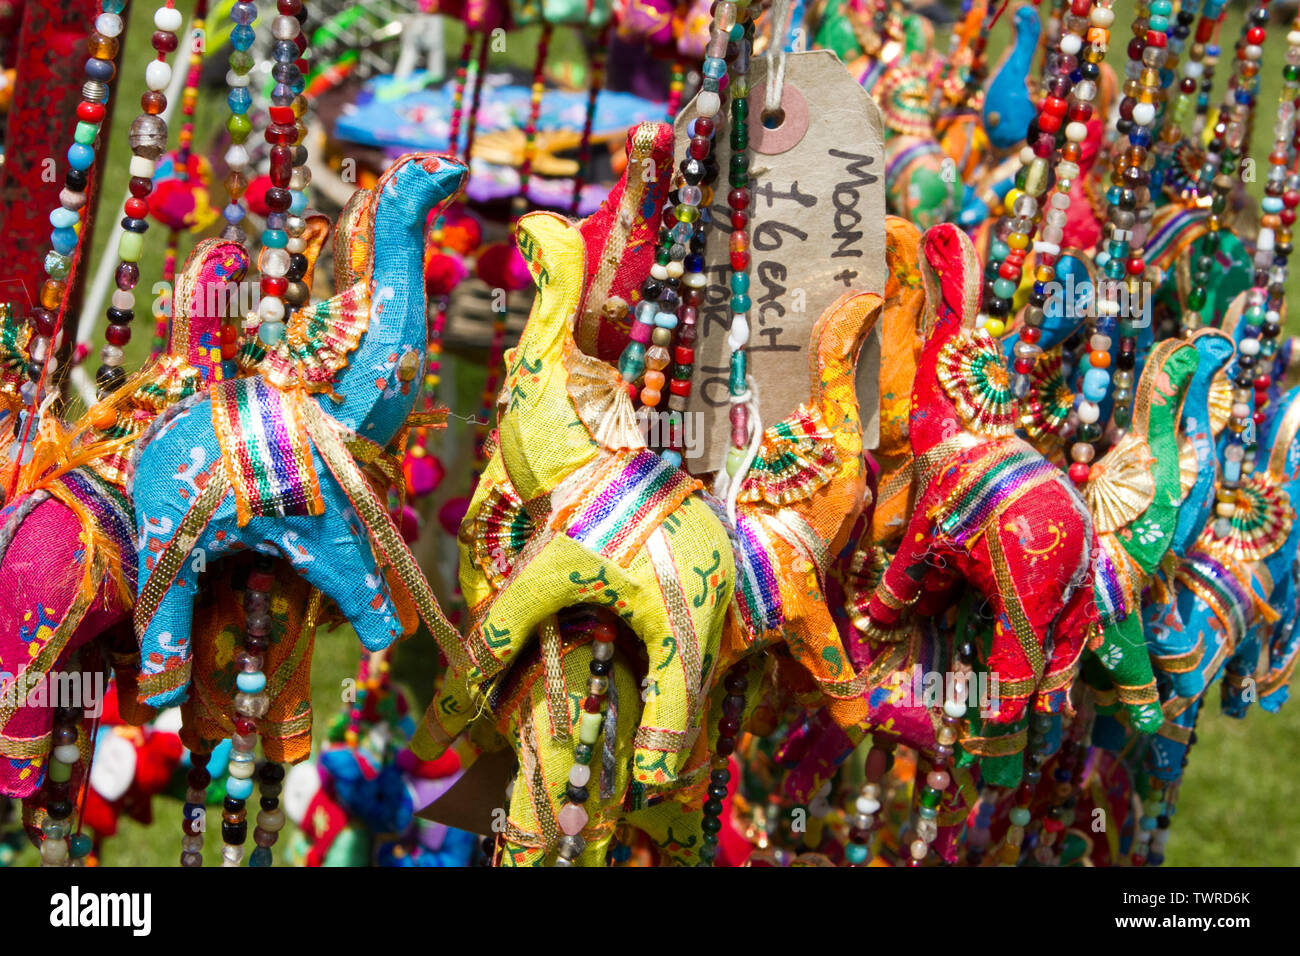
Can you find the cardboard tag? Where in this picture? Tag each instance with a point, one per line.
(468, 804)
(817, 230)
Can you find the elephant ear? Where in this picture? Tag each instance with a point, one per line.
(1121, 486)
(318, 340)
(314, 235)
(796, 457)
(353, 249)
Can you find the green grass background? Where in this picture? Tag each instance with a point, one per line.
(1236, 806)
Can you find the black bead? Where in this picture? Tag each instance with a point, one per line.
(120, 316)
(576, 795)
(599, 668)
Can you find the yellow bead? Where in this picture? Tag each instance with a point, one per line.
(995, 327)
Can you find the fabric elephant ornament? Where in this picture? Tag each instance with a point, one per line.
(990, 511)
(270, 462)
(921, 181)
(615, 525)
(1134, 493)
(67, 539)
(1009, 106)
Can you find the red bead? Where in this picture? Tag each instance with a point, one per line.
(1157, 38)
(739, 219)
(683, 355)
(1262, 383)
(282, 115)
(245, 725)
(43, 321)
(1136, 266)
(1080, 8)
(140, 186)
(89, 112)
(1079, 473)
(1256, 36)
(740, 261)
(680, 387)
(289, 8)
(1023, 365)
(1031, 334)
(699, 148)
(136, 208)
(260, 581)
(592, 704)
(1291, 198)
(164, 41)
(703, 126)
(280, 135)
(1049, 123)
(1259, 419)
(1009, 270)
(117, 334)
(738, 198)
(274, 285)
(1054, 107)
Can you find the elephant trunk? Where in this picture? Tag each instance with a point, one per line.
(837, 341)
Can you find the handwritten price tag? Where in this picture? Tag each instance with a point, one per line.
(817, 230)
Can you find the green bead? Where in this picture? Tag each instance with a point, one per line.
(740, 282)
(238, 125)
(1019, 816)
(589, 727)
(736, 460)
(241, 62)
(130, 247)
(681, 372)
(740, 303)
(60, 772)
(737, 374)
(85, 133)
(686, 213)
(583, 753)
(79, 845)
(1196, 299)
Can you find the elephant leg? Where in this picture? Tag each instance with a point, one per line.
(349, 575)
(165, 645)
(1069, 636)
(1123, 652)
(674, 830)
(448, 714)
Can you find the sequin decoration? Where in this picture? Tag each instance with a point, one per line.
(971, 372)
(1259, 525)
(1045, 410)
(796, 457)
(501, 529)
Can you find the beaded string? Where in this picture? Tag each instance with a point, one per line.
(733, 708)
(193, 821)
(864, 819)
(243, 14)
(937, 780)
(676, 86)
(1273, 244)
(185, 142)
(458, 93)
(573, 817)
(1119, 258)
(739, 383)
(283, 266)
(1066, 104)
(148, 140)
(56, 831)
(480, 76)
(1224, 152)
(672, 294)
(46, 318)
(251, 703)
(1068, 107)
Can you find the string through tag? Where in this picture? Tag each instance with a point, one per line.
(776, 55)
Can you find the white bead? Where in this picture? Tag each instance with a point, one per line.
(602, 650)
(1248, 346)
(1076, 133)
(108, 24)
(954, 708)
(275, 262)
(695, 280)
(1265, 241)
(296, 244)
(241, 771)
(738, 335)
(1102, 17)
(707, 103)
(1071, 43)
(234, 79)
(579, 774)
(866, 805)
(123, 299)
(1193, 70)
(270, 309)
(142, 167)
(659, 272)
(68, 753)
(1144, 114)
(167, 18)
(1050, 248)
(1027, 155)
(237, 157)
(675, 269)
(54, 852)
(1088, 412)
(157, 75)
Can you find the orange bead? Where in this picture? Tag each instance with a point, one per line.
(650, 397)
(1099, 359)
(654, 380)
(52, 293)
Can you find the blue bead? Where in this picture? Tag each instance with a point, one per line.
(666, 320)
(80, 156)
(63, 218)
(239, 99)
(242, 37)
(855, 853)
(714, 68)
(1095, 383)
(740, 303)
(239, 788)
(275, 238)
(64, 241)
(261, 856)
(298, 204)
(1148, 823)
(234, 213)
(101, 70)
(672, 457)
(250, 682)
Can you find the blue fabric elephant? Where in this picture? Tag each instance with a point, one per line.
(270, 462)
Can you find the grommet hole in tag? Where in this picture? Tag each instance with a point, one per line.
(776, 131)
